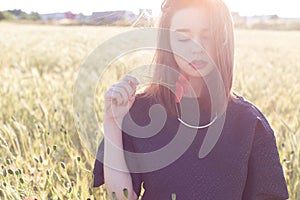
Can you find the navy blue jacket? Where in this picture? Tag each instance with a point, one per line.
(243, 165)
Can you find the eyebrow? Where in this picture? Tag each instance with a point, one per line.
(185, 30)
(182, 30)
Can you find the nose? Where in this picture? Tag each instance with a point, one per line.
(197, 48)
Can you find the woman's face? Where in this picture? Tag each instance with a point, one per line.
(191, 41)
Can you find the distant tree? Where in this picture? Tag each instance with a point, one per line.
(8, 16)
(16, 12)
(24, 16)
(35, 16)
(274, 17)
(1, 16)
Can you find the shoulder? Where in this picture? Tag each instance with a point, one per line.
(246, 115)
(247, 124)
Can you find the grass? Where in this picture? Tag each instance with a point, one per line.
(41, 151)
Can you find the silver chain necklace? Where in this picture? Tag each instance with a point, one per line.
(193, 126)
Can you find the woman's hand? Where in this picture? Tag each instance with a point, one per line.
(117, 101)
(119, 98)
(116, 182)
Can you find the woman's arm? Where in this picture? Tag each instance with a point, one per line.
(117, 102)
(115, 180)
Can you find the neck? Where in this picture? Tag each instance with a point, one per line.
(197, 84)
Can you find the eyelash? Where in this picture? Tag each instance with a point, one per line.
(183, 39)
(187, 38)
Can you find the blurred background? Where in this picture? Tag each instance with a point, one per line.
(44, 43)
(268, 14)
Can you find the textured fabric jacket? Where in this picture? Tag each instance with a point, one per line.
(243, 165)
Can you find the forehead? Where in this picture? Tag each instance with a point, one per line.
(193, 18)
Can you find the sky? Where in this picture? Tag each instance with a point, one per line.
(286, 8)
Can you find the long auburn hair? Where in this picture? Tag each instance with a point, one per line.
(221, 28)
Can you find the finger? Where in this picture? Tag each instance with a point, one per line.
(130, 79)
(112, 96)
(122, 91)
(128, 88)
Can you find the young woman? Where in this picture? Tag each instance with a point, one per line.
(226, 149)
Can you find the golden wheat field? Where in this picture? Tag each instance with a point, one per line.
(41, 152)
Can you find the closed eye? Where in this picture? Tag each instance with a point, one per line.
(182, 34)
(183, 38)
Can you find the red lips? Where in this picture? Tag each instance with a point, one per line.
(198, 64)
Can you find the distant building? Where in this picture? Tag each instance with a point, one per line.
(70, 15)
(259, 19)
(112, 17)
(57, 16)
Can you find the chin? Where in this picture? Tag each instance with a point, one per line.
(199, 73)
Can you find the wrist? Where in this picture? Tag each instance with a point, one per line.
(113, 121)
(112, 127)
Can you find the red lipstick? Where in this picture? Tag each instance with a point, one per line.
(198, 64)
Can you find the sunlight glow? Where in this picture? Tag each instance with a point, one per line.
(287, 8)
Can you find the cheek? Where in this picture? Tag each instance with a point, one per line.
(177, 50)
(182, 63)
(210, 51)
(181, 50)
